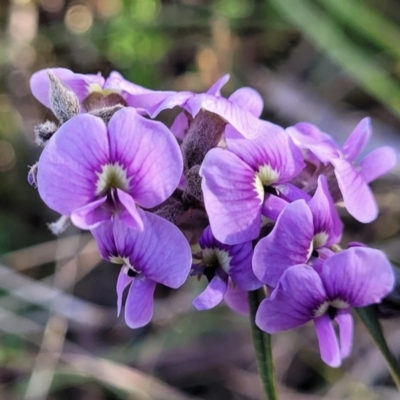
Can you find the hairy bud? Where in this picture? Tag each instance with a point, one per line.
(193, 183)
(44, 131)
(106, 113)
(204, 133)
(63, 101)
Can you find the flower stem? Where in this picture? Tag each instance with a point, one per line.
(262, 347)
(371, 322)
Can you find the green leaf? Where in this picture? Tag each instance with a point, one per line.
(330, 38)
(369, 318)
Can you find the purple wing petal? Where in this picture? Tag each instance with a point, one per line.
(273, 206)
(91, 215)
(105, 240)
(215, 89)
(212, 294)
(377, 163)
(122, 283)
(248, 99)
(358, 276)
(149, 153)
(328, 343)
(357, 140)
(237, 299)
(325, 217)
(288, 244)
(230, 197)
(139, 303)
(357, 196)
(298, 295)
(180, 126)
(272, 147)
(131, 217)
(160, 252)
(308, 136)
(345, 322)
(70, 164)
(245, 122)
(177, 99)
(117, 82)
(241, 270)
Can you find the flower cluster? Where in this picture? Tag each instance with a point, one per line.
(258, 201)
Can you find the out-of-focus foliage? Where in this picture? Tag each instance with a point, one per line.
(329, 62)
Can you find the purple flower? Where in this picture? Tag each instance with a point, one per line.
(352, 177)
(85, 85)
(300, 231)
(228, 270)
(158, 254)
(355, 277)
(90, 171)
(241, 109)
(238, 182)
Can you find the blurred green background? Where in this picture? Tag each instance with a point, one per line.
(330, 62)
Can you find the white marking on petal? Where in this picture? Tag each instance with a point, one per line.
(339, 304)
(320, 239)
(123, 260)
(266, 176)
(214, 255)
(322, 309)
(112, 175)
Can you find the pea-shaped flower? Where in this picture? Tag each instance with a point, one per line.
(90, 171)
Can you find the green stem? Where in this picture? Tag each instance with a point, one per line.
(262, 347)
(371, 322)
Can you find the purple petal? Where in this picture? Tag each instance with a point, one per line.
(117, 82)
(70, 163)
(132, 217)
(149, 153)
(325, 217)
(122, 283)
(377, 163)
(241, 270)
(230, 197)
(345, 322)
(177, 99)
(245, 122)
(248, 99)
(139, 303)
(291, 192)
(357, 196)
(180, 126)
(288, 244)
(212, 294)
(308, 136)
(160, 252)
(273, 206)
(357, 140)
(238, 264)
(237, 299)
(215, 89)
(105, 240)
(272, 147)
(298, 295)
(358, 276)
(328, 343)
(91, 215)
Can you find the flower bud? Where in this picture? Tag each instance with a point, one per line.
(63, 101)
(204, 133)
(44, 131)
(106, 113)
